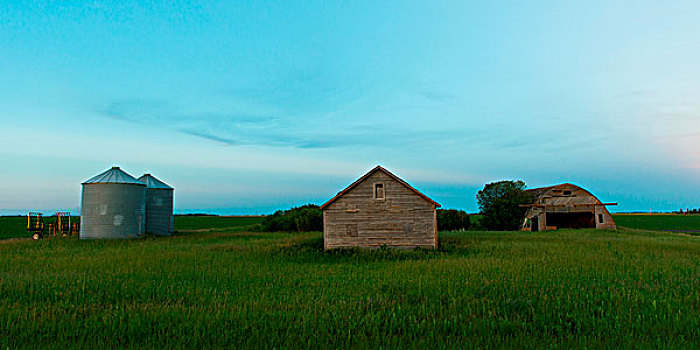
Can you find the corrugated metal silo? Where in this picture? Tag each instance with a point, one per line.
(159, 206)
(113, 206)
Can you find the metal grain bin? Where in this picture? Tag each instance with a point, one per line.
(113, 206)
(159, 206)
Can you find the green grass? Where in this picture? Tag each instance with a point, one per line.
(16, 227)
(13, 226)
(562, 289)
(659, 221)
(189, 223)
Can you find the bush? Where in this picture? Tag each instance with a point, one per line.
(499, 203)
(299, 219)
(452, 220)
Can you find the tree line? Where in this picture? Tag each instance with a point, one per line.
(309, 218)
(499, 205)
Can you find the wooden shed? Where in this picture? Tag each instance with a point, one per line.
(380, 209)
(565, 206)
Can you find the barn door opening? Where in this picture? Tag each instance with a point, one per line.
(534, 224)
(571, 220)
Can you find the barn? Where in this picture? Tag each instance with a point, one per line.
(565, 206)
(380, 209)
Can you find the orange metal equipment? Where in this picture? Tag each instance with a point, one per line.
(35, 225)
(75, 228)
(63, 225)
(50, 229)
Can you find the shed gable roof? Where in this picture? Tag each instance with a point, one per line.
(387, 172)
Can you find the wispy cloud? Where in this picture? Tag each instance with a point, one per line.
(211, 137)
(293, 131)
(637, 93)
(135, 110)
(281, 130)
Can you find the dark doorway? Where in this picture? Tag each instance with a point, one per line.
(534, 224)
(571, 220)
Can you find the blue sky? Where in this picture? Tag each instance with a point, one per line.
(247, 107)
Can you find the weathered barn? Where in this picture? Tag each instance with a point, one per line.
(565, 206)
(380, 209)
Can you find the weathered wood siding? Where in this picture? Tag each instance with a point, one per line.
(608, 221)
(403, 219)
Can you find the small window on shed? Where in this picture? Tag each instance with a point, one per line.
(600, 218)
(379, 191)
(567, 193)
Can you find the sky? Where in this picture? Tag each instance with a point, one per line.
(248, 107)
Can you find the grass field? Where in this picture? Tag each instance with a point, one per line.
(659, 221)
(189, 223)
(13, 226)
(16, 227)
(231, 288)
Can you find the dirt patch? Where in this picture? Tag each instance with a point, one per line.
(14, 240)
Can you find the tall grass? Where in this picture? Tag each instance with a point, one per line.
(564, 289)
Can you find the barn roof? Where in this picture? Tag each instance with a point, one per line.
(538, 192)
(387, 172)
(558, 199)
(114, 176)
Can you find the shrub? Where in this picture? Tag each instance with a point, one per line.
(452, 220)
(299, 219)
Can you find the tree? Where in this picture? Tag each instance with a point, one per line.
(452, 220)
(499, 203)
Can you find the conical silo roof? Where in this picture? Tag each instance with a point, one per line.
(114, 176)
(152, 182)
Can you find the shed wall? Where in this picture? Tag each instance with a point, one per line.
(402, 219)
